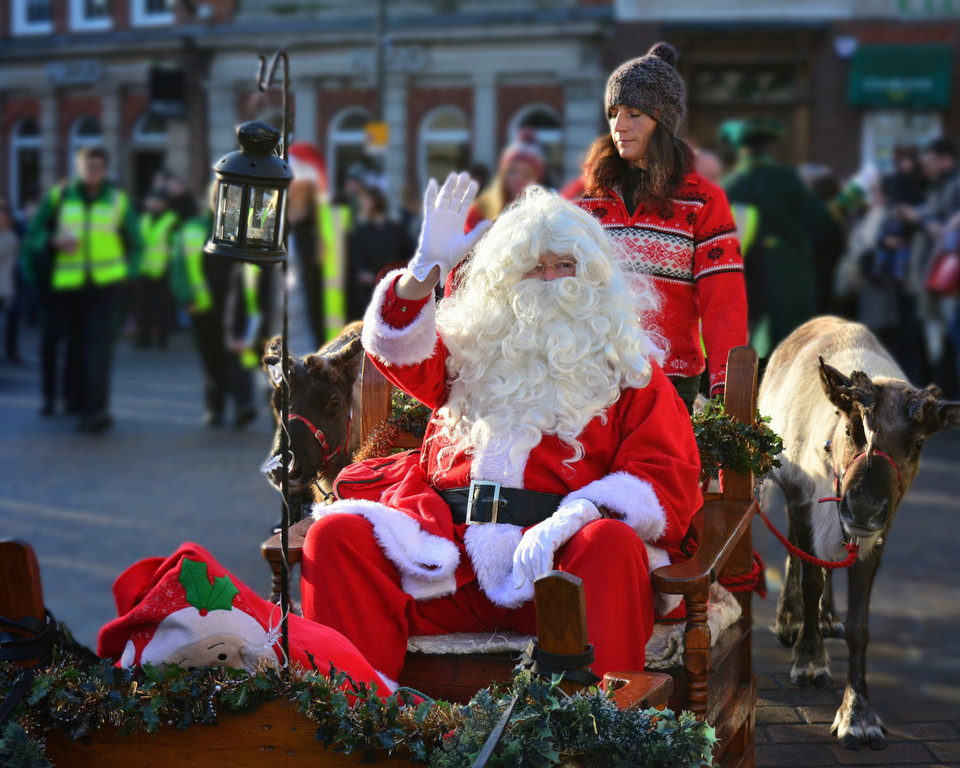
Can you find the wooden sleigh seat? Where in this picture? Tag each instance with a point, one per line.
(715, 680)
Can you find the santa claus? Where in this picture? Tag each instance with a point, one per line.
(556, 442)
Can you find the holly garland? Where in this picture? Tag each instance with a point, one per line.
(722, 440)
(81, 694)
(726, 442)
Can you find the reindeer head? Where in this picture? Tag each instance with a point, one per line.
(877, 443)
(320, 393)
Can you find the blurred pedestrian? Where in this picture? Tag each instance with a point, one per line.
(521, 165)
(82, 250)
(780, 270)
(154, 310)
(940, 166)
(9, 257)
(672, 224)
(214, 292)
(306, 199)
(708, 165)
(375, 245)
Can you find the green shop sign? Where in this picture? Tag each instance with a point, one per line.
(901, 76)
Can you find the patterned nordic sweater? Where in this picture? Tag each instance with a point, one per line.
(693, 257)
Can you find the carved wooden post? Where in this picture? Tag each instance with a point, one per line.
(561, 617)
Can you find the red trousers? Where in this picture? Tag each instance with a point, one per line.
(350, 585)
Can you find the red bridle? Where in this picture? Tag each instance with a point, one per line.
(840, 475)
(325, 451)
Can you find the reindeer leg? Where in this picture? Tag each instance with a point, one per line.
(856, 723)
(830, 624)
(790, 604)
(810, 662)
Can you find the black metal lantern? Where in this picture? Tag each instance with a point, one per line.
(251, 197)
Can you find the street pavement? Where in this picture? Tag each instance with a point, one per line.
(91, 505)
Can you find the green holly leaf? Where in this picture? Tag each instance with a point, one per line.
(203, 595)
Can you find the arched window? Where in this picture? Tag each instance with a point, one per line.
(346, 145)
(148, 153)
(543, 121)
(85, 132)
(24, 163)
(444, 143)
(149, 131)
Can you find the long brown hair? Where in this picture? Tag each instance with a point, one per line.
(670, 160)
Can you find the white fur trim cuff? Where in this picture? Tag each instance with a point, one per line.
(633, 499)
(409, 345)
(427, 563)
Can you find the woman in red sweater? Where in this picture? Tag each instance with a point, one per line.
(671, 223)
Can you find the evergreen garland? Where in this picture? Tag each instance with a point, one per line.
(81, 694)
(725, 442)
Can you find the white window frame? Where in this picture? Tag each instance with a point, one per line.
(337, 136)
(77, 142)
(427, 136)
(79, 22)
(869, 137)
(19, 24)
(141, 139)
(18, 143)
(140, 17)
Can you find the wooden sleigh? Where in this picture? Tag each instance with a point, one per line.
(716, 680)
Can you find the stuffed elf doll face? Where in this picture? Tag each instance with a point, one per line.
(192, 621)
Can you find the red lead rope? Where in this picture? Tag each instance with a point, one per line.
(853, 549)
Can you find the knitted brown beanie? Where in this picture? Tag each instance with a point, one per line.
(652, 85)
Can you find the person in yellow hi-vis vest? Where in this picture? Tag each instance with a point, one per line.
(154, 313)
(215, 293)
(81, 250)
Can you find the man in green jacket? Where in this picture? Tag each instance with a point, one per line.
(779, 268)
(81, 250)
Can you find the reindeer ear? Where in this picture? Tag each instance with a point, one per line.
(271, 352)
(349, 357)
(272, 360)
(837, 386)
(945, 415)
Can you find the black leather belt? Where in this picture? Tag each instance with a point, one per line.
(488, 502)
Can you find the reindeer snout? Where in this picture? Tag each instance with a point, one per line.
(864, 519)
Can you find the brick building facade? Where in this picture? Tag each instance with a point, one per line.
(459, 77)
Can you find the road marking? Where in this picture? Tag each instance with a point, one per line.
(79, 516)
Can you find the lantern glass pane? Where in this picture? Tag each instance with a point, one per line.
(228, 212)
(262, 224)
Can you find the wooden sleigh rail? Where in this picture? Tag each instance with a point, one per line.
(276, 733)
(716, 680)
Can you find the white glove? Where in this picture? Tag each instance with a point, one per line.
(534, 554)
(442, 241)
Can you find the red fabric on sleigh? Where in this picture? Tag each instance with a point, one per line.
(187, 609)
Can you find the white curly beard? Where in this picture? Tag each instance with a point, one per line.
(546, 358)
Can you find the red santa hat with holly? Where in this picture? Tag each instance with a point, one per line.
(187, 609)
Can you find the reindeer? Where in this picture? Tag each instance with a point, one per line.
(324, 392)
(848, 459)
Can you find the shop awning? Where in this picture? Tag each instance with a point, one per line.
(901, 76)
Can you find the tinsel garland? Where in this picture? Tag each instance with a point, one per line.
(726, 442)
(406, 415)
(547, 726)
(722, 440)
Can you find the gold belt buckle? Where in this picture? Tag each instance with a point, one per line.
(476, 486)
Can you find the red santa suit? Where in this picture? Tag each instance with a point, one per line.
(400, 566)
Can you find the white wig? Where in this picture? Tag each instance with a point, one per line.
(530, 357)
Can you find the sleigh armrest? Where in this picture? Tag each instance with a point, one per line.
(723, 524)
